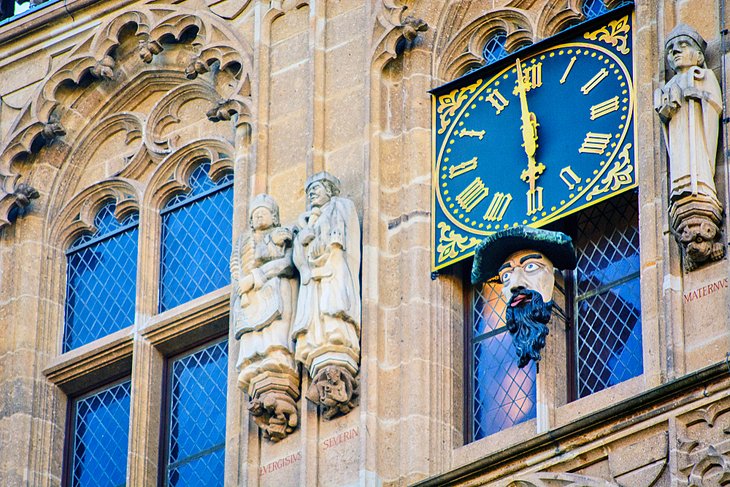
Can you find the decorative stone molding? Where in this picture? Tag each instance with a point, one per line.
(103, 69)
(550, 479)
(327, 323)
(394, 31)
(147, 50)
(464, 48)
(264, 296)
(689, 106)
(702, 451)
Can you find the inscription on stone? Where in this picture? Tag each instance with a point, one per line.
(705, 291)
(280, 463)
(340, 438)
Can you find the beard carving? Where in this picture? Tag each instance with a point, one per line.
(527, 317)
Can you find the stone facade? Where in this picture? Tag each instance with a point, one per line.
(118, 99)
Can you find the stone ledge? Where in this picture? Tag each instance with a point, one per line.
(640, 408)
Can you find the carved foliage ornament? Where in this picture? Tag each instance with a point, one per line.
(42, 121)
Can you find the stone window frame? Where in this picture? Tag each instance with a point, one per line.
(141, 350)
(449, 61)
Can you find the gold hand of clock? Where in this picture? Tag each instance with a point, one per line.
(529, 138)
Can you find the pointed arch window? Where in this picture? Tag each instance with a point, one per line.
(196, 239)
(101, 276)
(495, 48)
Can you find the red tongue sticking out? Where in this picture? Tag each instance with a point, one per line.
(519, 299)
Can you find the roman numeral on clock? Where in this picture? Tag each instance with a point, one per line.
(593, 82)
(595, 143)
(532, 76)
(472, 195)
(498, 101)
(498, 207)
(604, 108)
(464, 167)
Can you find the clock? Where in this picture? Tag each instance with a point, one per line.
(533, 138)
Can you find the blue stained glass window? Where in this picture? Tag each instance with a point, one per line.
(495, 49)
(594, 8)
(197, 418)
(100, 436)
(504, 394)
(608, 305)
(101, 274)
(196, 239)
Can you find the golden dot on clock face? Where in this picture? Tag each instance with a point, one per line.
(552, 54)
(621, 126)
(595, 171)
(515, 224)
(448, 198)
(524, 222)
(451, 141)
(553, 208)
(481, 98)
(580, 188)
(599, 57)
(444, 184)
(461, 124)
(606, 61)
(623, 92)
(481, 225)
(542, 57)
(593, 54)
(588, 180)
(446, 159)
(562, 202)
(622, 85)
(466, 115)
(467, 220)
(544, 213)
(461, 216)
(577, 51)
(506, 75)
(473, 106)
(448, 150)
(571, 195)
(489, 226)
(534, 218)
(451, 205)
(623, 117)
(560, 52)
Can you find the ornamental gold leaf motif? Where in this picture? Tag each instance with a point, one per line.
(452, 243)
(621, 174)
(615, 34)
(451, 102)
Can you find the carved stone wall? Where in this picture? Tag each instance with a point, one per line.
(119, 100)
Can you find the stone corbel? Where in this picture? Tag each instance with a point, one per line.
(394, 31)
(52, 130)
(103, 69)
(16, 200)
(148, 49)
(195, 68)
(224, 110)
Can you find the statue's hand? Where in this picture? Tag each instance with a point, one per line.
(306, 235)
(281, 235)
(692, 93)
(245, 284)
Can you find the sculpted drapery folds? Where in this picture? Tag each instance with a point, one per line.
(690, 105)
(327, 323)
(264, 293)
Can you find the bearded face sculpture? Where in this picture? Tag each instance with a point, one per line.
(525, 260)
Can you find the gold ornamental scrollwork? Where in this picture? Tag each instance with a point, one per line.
(452, 243)
(614, 34)
(451, 102)
(620, 175)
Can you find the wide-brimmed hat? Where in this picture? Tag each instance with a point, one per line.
(493, 250)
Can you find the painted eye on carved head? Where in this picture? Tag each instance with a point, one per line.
(532, 266)
(505, 277)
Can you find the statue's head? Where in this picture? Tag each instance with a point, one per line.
(264, 213)
(320, 188)
(685, 48)
(525, 260)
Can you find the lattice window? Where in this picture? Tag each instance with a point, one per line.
(503, 394)
(607, 306)
(196, 239)
(594, 8)
(495, 49)
(195, 436)
(100, 433)
(101, 274)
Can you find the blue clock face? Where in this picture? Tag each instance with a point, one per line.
(543, 137)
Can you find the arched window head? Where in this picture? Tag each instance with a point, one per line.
(196, 239)
(495, 49)
(101, 276)
(594, 8)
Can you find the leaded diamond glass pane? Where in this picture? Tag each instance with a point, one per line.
(101, 274)
(609, 343)
(607, 241)
(504, 394)
(197, 415)
(196, 240)
(608, 306)
(100, 436)
(495, 49)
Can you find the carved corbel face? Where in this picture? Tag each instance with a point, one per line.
(526, 270)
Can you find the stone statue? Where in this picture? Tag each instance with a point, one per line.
(525, 260)
(690, 106)
(264, 293)
(327, 323)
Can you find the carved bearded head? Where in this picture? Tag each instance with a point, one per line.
(525, 260)
(320, 189)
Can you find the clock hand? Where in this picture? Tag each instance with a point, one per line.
(529, 138)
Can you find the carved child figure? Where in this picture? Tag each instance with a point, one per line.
(690, 105)
(264, 293)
